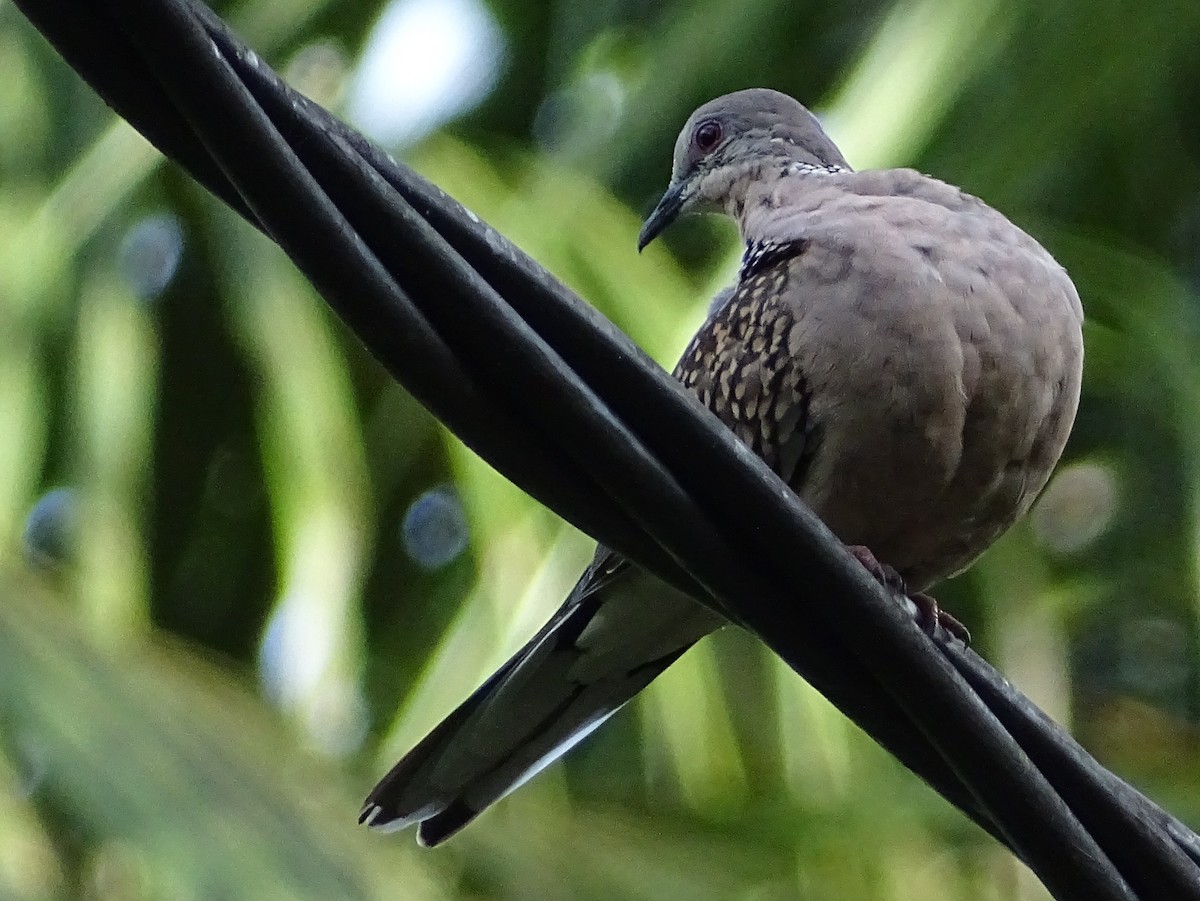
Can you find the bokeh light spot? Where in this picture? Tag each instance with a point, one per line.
(51, 532)
(425, 62)
(435, 530)
(150, 253)
(1077, 507)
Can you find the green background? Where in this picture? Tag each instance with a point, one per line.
(235, 460)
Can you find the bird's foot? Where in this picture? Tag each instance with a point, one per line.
(929, 614)
(881, 572)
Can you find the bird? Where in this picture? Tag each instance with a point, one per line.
(905, 358)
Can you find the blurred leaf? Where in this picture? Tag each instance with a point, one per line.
(162, 752)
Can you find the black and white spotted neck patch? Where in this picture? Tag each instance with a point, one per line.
(762, 255)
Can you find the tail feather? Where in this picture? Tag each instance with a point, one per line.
(619, 629)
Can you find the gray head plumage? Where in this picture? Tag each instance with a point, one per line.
(734, 137)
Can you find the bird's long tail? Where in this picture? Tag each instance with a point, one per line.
(618, 630)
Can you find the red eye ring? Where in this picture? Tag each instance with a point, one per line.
(707, 135)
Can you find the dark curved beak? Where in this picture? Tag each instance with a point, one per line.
(663, 215)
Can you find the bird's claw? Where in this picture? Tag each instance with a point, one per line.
(929, 614)
(882, 573)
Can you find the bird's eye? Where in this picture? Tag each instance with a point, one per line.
(707, 135)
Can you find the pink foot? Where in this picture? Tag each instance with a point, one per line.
(929, 615)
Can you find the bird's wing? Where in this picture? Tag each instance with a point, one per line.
(619, 628)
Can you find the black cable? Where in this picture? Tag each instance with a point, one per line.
(1155, 851)
(568, 350)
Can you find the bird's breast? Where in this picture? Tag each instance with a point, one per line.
(915, 392)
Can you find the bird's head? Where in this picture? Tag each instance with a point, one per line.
(730, 142)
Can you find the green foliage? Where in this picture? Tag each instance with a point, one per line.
(214, 640)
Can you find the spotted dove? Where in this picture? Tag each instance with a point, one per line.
(905, 358)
